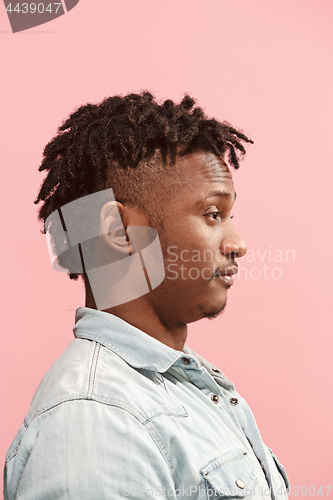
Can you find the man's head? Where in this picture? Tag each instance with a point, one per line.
(157, 159)
(201, 242)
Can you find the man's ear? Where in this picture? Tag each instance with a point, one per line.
(113, 229)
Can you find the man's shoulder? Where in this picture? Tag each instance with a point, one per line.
(90, 371)
(86, 370)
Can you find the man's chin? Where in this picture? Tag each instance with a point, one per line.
(214, 312)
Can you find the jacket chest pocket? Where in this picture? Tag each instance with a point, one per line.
(230, 476)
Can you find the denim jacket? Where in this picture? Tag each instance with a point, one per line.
(121, 415)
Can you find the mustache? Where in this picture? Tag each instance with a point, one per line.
(229, 270)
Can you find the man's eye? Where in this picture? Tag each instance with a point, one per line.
(215, 215)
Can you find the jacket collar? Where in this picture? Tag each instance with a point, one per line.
(137, 348)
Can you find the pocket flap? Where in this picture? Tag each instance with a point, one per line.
(232, 474)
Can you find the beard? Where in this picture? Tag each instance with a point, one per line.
(214, 312)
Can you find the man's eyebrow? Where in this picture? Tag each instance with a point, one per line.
(224, 194)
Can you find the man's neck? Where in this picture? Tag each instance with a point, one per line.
(141, 314)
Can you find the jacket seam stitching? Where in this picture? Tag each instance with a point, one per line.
(162, 449)
(93, 370)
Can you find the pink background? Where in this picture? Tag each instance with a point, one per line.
(266, 66)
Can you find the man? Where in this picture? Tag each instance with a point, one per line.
(129, 411)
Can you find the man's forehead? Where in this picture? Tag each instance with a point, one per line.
(203, 175)
(216, 166)
(206, 171)
(206, 165)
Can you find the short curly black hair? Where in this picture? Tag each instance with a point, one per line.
(128, 143)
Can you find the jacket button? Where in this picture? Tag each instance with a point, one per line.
(215, 370)
(215, 398)
(233, 401)
(240, 484)
(186, 361)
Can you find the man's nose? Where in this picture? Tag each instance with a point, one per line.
(233, 244)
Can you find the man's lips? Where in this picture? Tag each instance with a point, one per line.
(226, 274)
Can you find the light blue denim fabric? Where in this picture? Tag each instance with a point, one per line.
(121, 415)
